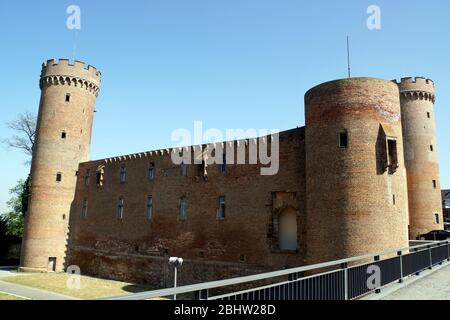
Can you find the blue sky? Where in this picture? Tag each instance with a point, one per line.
(229, 63)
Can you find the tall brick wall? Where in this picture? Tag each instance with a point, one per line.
(350, 191)
(46, 224)
(133, 248)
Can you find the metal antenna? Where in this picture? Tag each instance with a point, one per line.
(74, 50)
(348, 57)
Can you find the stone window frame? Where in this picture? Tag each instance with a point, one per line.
(274, 225)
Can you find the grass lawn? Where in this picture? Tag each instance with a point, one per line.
(90, 288)
(4, 296)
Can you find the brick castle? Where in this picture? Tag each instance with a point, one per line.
(360, 177)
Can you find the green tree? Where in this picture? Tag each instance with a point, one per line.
(17, 205)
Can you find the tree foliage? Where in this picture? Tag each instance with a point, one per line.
(17, 205)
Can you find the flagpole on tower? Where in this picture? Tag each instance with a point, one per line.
(348, 57)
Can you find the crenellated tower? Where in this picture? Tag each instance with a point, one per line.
(66, 109)
(417, 96)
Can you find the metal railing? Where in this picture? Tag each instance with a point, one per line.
(346, 281)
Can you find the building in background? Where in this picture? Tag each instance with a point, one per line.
(446, 208)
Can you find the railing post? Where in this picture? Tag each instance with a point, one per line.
(448, 249)
(400, 254)
(345, 267)
(431, 258)
(202, 295)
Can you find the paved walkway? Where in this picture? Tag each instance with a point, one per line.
(31, 293)
(435, 286)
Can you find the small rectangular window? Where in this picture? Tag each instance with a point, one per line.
(151, 171)
(63, 135)
(223, 165)
(434, 184)
(393, 199)
(436, 218)
(149, 211)
(431, 148)
(183, 169)
(68, 97)
(98, 178)
(123, 174)
(59, 177)
(428, 115)
(120, 209)
(182, 209)
(392, 155)
(221, 212)
(343, 139)
(84, 208)
(87, 177)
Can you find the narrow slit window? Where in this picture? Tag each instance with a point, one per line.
(183, 168)
(149, 210)
(68, 97)
(434, 184)
(393, 199)
(123, 174)
(221, 212)
(343, 139)
(223, 165)
(87, 177)
(59, 177)
(120, 209)
(63, 135)
(431, 148)
(84, 208)
(182, 209)
(436, 218)
(98, 178)
(392, 155)
(151, 171)
(428, 115)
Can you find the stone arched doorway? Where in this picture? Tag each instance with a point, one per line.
(288, 229)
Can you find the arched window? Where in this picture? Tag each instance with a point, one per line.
(288, 230)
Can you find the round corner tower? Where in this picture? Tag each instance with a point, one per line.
(417, 97)
(63, 136)
(356, 189)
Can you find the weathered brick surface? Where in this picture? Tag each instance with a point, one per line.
(48, 212)
(343, 197)
(202, 237)
(350, 208)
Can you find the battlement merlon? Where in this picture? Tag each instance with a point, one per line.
(419, 84)
(77, 70)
